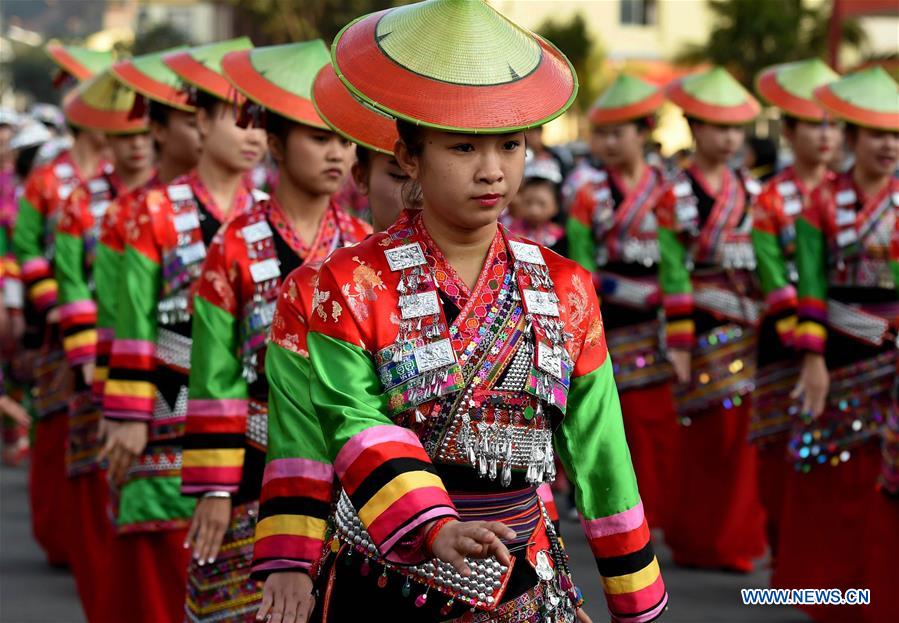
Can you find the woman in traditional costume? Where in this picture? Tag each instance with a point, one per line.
(226, 431)
(101, 104)
(837, 531)
(612, 233)
(145, 399)
(40, 208)
(706, 278)
(448, 358)
(814, 139)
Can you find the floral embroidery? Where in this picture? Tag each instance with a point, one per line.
(222, 286)
(366, 282)
(594, 333)
(578, 302)
(336, 310)
(320, 297)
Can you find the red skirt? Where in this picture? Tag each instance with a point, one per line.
(881, 558)
(719, 522)
(650, 423)
(149, 583)
(774, 469)
(93, 538)
(47, 484)
(823, 531)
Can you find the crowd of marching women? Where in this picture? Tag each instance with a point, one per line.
(251, 399)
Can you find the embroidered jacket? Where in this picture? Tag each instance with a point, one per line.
(225, 436)
(40, 206)
(843, 241)
(150, 357)
(413, 374)
(698, 228)
(76, 244)
(774, 240)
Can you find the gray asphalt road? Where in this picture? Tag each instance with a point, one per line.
(32, 592)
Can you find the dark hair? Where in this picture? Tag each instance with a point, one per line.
(74, 130)
(765, 151)
(25, 160)
(790, 122)
(850, 131)
(278, 125)
(412, 135)
(207, 101)
(363, 157)
(555, 189)
(159, 112)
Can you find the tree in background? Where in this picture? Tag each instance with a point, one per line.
(749, 35)
(574, 39)
(158, 37)
(269, 22)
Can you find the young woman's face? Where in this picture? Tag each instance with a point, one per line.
(382, 181)
(814, 143)
(178, 138)
(232, 147)
(717, 143)
(536, 203)
(132, 154)
(876, 151)
(466, 180)
(314, 160)
(619, 144)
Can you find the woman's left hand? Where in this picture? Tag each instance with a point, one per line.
(207, 530)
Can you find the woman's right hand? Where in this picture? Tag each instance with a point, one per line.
(476, 539)
(681, 360)
(286, 598)
(813, 384)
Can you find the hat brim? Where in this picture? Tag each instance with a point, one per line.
(68, 63)
(198, 75)
(239, 69)
(769, 88)
(527, 102)
(150, 88)
(81, 115)
(349, 117)
(711, 113)
(621, 114)
(854, 114)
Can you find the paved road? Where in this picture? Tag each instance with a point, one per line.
(32, 592)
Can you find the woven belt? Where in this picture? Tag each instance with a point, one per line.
(721, 302)
(637, 357)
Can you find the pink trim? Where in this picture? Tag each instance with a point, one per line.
(399, 554)
(105, 334)
(46, 300)
(34, 265)
(81, 355)
(410, 504)
(281, 565)
(77, 307)
(780, 296)
(625, 521)
(546, 493)
(134, 347)
(225, 407)
(361, 441)
(297, 468)
(638, 601)
(678, 299)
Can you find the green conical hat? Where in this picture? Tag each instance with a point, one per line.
(869, 98)
(714, 96)
(790, 87)
(280, 77)
(152, 78)
(457, 65)
(78, 62)
(103, 103)
(201, 67)
(626, 99)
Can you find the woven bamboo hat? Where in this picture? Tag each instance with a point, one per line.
(279, 77)
(78, 62)
(152, 78)
(790, 87)
(350, 117)
(626, 99)
(455, 65)
(868, 98)
(105, 104)
(201, 67)
(714, 96)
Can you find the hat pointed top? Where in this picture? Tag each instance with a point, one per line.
(105, 104)
(626, 99)
(868, 98)
(714, 96)
(790, 86)
(201, 66)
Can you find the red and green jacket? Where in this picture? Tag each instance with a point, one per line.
(40, 207)
(377, 418)
(107, 272)
(166, 243)
(774, 214)
(699, 227)
(233, 306)
(843, 239)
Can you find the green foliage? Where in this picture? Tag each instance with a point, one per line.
(574, 40)
(158, 37)
(749, 35)
(31, 72)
